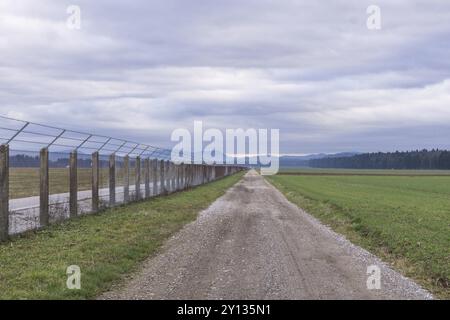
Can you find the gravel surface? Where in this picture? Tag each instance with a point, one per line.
(252, 243)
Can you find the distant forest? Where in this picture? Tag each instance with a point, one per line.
(423, 159)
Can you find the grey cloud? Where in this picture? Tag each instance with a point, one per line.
(312, 69)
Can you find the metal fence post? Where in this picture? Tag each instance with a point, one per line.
(95, 181)
(137, 169)
(44, 189)
(126, 179)
(73, 198)
(112, 179)
(4, 192)
(147, 177)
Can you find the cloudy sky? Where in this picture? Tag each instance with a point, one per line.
(140, 69)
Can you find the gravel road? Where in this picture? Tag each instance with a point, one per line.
(252, 243)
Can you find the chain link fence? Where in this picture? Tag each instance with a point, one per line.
(49, 174)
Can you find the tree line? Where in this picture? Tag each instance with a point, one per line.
(26, 161)
(418, 159)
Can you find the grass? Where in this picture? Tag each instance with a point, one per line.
(24, 182)
(365, 172)
(105, 246)
(403, 219)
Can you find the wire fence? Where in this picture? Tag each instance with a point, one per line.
(49, 174)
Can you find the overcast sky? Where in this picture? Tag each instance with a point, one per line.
(140, 69)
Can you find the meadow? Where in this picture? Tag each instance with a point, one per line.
(402, 216)
(24, 182)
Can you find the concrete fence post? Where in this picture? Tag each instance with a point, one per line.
(95, 182)
(147, 177)
(44, 189)
(4, 192)
(174, 177)
(168, 175)
(186, 176)
(155, 177)
(73, 194)
(112, 179)
(166, 172)
(180, 175)
(137, 169)
(195, 175)
(203, 174)
(162, 178)
(176, 170)
(181, 186)
(198, 174)
(126, 179)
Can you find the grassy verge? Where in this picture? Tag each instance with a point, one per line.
(404, 220)
(105, 246)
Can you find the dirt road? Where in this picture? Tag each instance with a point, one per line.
(254, 244)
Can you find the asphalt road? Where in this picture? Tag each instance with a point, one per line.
(24, 212)
(252, 243)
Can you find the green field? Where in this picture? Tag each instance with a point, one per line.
(403, 219)
(24, 182)
(105, 246)
(319, 171)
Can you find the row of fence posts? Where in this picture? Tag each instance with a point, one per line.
(161, 177)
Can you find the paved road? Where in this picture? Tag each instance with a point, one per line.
(25, 211)
(254, 244)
